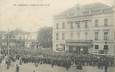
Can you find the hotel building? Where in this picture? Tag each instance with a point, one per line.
(85, 29)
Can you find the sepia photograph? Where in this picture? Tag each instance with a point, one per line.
(57, 35)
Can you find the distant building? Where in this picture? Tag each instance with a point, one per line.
(31, 40)
(85, 29)
(17, 39)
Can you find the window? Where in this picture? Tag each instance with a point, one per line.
(56, 45)
(86, 24)
(86, 35)
(114, 35)
(78, 24)
(106, 35)
(96, 35)
(71, 25)
(105, 47)
(63, 25)
(57, 26)
(96, 46)
(71, 34)
(57, 36)
(96, 22)
(78, 34)
(63, 36)
(105, 22)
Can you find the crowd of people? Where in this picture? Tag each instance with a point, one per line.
(62, 61)
(68, 61)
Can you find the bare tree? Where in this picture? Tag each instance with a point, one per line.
(45, 37)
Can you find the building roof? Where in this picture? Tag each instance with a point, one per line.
(17, 31)
(90, 9)
(96, 6)
(2, 32)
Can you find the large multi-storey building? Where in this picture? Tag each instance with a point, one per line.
(85, 29)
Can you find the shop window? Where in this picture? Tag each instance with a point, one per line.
(106, 47)
(96, 46)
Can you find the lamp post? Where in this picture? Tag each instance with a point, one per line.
(8, 43)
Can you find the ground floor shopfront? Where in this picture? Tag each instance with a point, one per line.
(89, 46)
(78, 47)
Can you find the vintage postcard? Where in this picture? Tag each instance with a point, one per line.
(57, 35)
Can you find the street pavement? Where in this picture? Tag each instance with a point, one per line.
(31, 68)
(41, 68)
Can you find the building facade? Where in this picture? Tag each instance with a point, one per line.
(85, 29)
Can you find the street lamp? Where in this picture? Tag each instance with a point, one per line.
(8, 43)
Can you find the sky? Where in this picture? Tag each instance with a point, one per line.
(34, 14)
